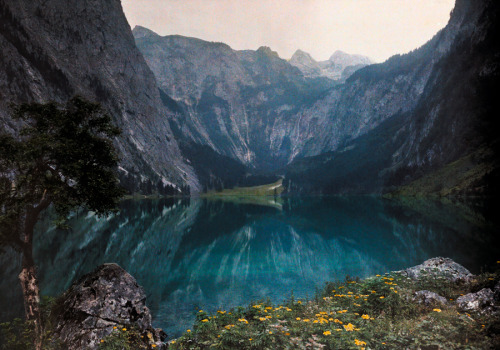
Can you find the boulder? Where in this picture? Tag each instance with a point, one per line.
(482, 301)
(496, 290)
(429, 298)
(439, 267)
(105, 300)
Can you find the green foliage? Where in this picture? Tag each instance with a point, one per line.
(124, 339)
(376, 313)
(62, 155)
(20, 335)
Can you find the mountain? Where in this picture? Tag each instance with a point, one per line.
(56, 49)
(445, 139)
(231, 101)
(340, 66)
(257, 109)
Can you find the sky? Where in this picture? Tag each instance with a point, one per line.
(375, 28)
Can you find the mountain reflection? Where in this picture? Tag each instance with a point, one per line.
(218, 253)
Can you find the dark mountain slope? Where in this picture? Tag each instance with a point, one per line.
(55, 49)
(454, 118)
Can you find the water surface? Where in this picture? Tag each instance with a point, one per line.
(215, 254)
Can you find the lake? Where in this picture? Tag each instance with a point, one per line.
(219, 253)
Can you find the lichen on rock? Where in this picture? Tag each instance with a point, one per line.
(101, 300)
(439, 267)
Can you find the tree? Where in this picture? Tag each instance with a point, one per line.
(63, 156)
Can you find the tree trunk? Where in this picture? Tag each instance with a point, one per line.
(28, 277)
(31, 294)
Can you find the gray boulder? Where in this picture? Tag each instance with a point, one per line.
(429, 298)
(482, 301)
(439, 267)
(106, 298)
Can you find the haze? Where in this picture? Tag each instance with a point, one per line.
(375, 28)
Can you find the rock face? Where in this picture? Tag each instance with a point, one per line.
(340, 66)
(439, 267)
(56, 49)
(232, 101)
(482, 301)
(429, 298)
(106, 298)
(409, 116)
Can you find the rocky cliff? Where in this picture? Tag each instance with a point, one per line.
(231, 101)
(56, 49)
(434, 107)
(253, 107)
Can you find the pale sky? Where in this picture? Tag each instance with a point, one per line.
(375, 28)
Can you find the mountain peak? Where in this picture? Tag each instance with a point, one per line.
(142, 32)
(345, 59)
(266, 50)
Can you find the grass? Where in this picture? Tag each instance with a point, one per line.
(376, 313)
(273, 189)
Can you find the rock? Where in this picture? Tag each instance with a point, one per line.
(57, 49)
(429, 298)
(496, 290)
(106, 298)
(482, 301)
(439, 267)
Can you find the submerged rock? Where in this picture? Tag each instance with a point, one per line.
(439, 267)
(482, 301)
(429, 298)
(106, 298)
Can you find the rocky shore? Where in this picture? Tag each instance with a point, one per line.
(109, 301)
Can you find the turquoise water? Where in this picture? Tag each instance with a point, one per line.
(214, 254)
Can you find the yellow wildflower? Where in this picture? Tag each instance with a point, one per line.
(436, 310)
(349, 327)
(327, 333)
(287, 333)
(102, 340)
(250, 339)
(200, 311)
(153, 346)
(382, 297)
(305, 320)
(298, 318)
(115, 327)
(359, 342)
(270, 332)
(205, 320)
(365, 317)
(124, 329)
(189, 331)
(243, 320)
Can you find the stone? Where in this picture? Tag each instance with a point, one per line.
(496, 290)
(439, 267)
(101, 300)
(482, 301)
(429, 298)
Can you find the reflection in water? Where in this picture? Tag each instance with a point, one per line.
(218, 254)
